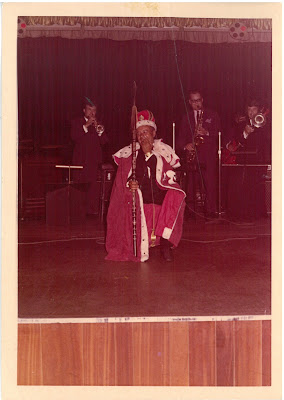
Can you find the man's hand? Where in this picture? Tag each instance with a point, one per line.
(201, 131)
(147, 144)
(90, 122)
(249, 129)
(133, 185)
(233, 146)
(189, 147)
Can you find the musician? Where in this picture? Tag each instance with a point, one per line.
(253, 141)
(205, 123)
(88, 142)
(159, 199)
(250, 145)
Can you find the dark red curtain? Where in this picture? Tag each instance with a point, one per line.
(54, 74)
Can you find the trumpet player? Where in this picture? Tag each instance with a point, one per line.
(251, 134)
(200, 122)
(250, 139)
(88, 137)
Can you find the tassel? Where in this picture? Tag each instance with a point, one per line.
(153, 238)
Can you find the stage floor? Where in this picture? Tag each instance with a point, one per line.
(218, 269)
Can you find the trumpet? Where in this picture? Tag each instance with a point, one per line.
(99, 127)
(260, 119)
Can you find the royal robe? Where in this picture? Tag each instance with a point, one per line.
(168, 217)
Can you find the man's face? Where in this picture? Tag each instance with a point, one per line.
(145, 133)
(252, 112)
(196, 101)
(90, 111)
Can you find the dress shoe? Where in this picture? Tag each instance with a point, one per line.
(166, 250)
(167, 254)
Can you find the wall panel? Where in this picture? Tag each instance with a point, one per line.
(178, 353)
(98, 353)
(29, 365)
(266, 353)
(225, 360)
(62, 354)
(151, 354)
(248, 353)
(190, 353)
(202, 353)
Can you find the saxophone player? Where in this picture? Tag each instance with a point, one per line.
(201, 122)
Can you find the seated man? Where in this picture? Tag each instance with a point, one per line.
(159, 199)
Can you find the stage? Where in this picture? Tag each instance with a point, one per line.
(202, 320)
(218, 269)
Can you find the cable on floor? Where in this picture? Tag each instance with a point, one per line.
(223, 219)
(222, 240)
(98, 239)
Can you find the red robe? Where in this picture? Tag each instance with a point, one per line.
(168, 216)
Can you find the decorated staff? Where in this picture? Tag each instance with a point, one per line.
(133, 129)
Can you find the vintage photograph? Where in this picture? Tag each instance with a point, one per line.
(144, 199)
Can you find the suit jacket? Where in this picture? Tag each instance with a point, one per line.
(87, 149)
(211, 123)
(258, 142)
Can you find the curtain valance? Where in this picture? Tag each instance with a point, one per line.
(146, 22)
(196, 30)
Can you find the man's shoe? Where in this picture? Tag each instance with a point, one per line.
(167, 254)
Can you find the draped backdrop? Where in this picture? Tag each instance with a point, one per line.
(54, 74)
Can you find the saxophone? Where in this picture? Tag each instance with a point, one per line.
(198, 140)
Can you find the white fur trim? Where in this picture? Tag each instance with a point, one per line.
(159, 147)
(172, 175)
(159, 171)
(146, 122)
(166, 152)
(167, 233)
(144, 246)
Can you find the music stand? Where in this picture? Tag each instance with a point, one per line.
(65, 202)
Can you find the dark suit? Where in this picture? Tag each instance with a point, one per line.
(258, 142)
(246, 184)
(88, 153)
(207, 152)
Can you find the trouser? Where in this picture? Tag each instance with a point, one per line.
(92, 198)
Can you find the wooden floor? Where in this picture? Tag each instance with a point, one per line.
(189, 353)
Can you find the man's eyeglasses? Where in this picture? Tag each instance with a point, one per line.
(196, 101)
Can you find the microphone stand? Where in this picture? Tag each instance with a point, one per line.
(220, 218)
(219, 175)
